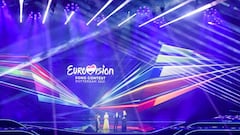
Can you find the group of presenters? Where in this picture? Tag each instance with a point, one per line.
(106, 128)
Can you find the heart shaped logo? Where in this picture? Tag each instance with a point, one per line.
(91, 69)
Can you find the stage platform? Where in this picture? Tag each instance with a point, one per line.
(213, 127)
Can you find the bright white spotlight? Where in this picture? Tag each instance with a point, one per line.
(209, 5)
(46, 12)
(126, 20)
(69, 17)
(21, 10)
(117, 9)
(105, 6)
(167, 12)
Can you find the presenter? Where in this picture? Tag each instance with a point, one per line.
(106, 123)
(116, 118)
(97, 122)
(124, 121)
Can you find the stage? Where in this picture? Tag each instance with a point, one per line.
(147, 67)
(228, 124)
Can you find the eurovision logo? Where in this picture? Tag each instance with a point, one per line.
(90, 73)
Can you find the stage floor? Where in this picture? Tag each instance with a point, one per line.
(143, 127)
(89, 126)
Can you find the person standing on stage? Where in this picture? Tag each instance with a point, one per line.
(116, 118)
(97, 122)
(106, 123)
(124, 121)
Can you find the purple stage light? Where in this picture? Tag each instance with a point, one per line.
(144, 11)
(72, 7)
(3, 3)
(35, 16)
(212, 16)
(160, 21)
(99, 18)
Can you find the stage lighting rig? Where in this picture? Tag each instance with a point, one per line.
(35, 16)
(34, 10)
(160, 21)
(212, 16)
(99, 18)
(144, 11)
(72, 7)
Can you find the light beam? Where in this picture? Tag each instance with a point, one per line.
(167, 12)
(46, 12)
(117, 9)
(69, 17)
(209, 5)
(105, 6)
(126, 20)
(21, 10)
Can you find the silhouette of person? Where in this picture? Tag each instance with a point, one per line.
(106, 123)
(124, 121)
(97, 121)
(116, 118)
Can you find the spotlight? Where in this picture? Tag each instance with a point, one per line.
(114, 11)
(144, 11)
(100, 11)
(167, 12)
(160, 21)
(99, 18)
(3, 3)
(200, 9)
(35, 16)
(72, 7)
(212, 16)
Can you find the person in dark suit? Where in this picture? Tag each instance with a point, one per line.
(97, 121)
(124, 121)
(116, 119)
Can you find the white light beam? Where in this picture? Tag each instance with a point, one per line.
(100, 11)
(167, 12)
(209, 5)
(126, 20)
(117, 9)
(69, 17)
(46, 12)
(21, 10)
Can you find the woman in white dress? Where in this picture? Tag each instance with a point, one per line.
(106, 123)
